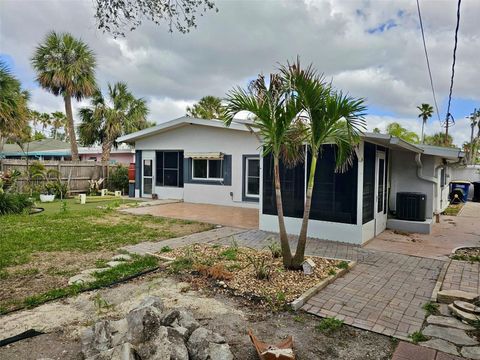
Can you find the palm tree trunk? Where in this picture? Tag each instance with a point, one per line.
(302, 238)
(471, 156)
(286, 252)
(106, 148)
(423, 130)
(71, 127)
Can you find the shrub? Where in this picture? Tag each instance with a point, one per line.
(14, 203)
(329, 325)
(430, 308)
(275, 250)
(417, 337)
(260, 266)
(57, 188)
(118, 179)
(343, 265)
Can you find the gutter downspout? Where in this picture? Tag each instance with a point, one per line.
(431, 179)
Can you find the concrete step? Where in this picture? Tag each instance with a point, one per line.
(449, 296)
(467, 307)
(465, 316)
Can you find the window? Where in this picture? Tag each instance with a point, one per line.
(252, 177)
(443, 177)
(207, 169)
(169, 168)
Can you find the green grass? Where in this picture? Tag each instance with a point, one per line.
(343, 265)
(417, 337)
(230, 254)
(453, 210)
(430, 308)
(137, 265)
(79, 228)
(329, 325)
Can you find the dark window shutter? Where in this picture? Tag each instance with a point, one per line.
(159, 168)
(187, 170)
(227, 169)
(138, 169)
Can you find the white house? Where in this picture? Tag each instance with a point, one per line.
(202, 161)
(198, 161)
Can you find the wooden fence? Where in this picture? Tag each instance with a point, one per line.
(75, 174)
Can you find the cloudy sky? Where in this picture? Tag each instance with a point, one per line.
(370, 48)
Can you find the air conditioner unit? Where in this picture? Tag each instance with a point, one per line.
(411, 206)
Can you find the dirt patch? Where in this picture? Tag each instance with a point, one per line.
(467, 254)
(229, 317)
(45, 271)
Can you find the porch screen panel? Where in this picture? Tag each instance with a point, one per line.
(169, 168)
(292, 186)
(368, 182)
(334, 194)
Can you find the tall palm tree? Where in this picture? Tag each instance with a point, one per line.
(473, 124)
(426, 112)
(330, 118)
(274, 113)
(107, 119)
(59, 121)
(65, 66)
(397, 130)
(439, 139)
(14, 113)
(208, 107)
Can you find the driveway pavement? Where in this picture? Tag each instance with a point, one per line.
(213, 214)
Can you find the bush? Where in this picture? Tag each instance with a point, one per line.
(57, 188)
(14, 203)
(118, 179)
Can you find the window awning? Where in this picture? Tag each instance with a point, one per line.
(204, 155)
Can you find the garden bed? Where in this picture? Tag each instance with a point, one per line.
(257, 275)
(471, 254)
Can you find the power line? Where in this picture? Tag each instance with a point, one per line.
(428, 62)
(448, 117)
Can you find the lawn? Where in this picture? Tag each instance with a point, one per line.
(40, 252)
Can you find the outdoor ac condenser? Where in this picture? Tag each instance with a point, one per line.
(411, 206)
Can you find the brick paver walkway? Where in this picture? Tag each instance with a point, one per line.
(462, 275)
(383, 293)
(407, 351)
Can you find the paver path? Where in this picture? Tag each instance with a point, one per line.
(407, 351)
(462, 275)
(384, 293)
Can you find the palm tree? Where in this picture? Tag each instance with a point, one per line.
(426, 112)
(107, 119)
(330, 118)
(473, 123)
(65, 66)
(438, 139)
(59, 120)
(208, 107)
(274, 113)
(397, 130)
(14, 113)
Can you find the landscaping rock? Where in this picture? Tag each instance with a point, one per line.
(441, 345)
(449, 322)
(449, 296)
(455, 336)
(471, 352)
(466, 316)
(93, 271)
(143, 324)
(81, 279)
(114, 263)
(443, 310)
(204, 344)
(467, 307)
(121, 352)
(122, 257)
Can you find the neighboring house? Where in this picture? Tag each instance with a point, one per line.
(52, 149)
(202, 161)
(198, 161)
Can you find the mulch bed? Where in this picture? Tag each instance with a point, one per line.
(233, 269)
(467, 254)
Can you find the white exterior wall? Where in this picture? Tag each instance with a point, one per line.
(198, 138)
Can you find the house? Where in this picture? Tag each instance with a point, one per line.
(198, 161)
(202, 161)
(52, 149)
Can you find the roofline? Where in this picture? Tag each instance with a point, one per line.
(393, 140)
(175, 123)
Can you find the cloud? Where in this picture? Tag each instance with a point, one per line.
(246, 38)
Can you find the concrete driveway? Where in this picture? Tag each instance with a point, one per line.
(450, 233)
(246, 218)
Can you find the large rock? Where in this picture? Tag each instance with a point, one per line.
(124, 351)
(449, 296)
(449, 322)
(182, 321)
(455, 336)
(441, 345)
(204, 344)
(466, 316)
(467, 307)
(144, 320)
(471, 352)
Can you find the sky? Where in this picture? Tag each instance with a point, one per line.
(368, 48)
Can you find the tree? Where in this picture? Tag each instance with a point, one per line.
(208, 107)
(65, 66)
(59, 121)
(114, 16)
(107, 119)
(397, 130)
(426, 112)
(14, 113)
(438, 139)
(330, 117)
(473, 145)
(274, 112)
(376, 130)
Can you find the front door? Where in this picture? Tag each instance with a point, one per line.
(147, 175)
(380, 193)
